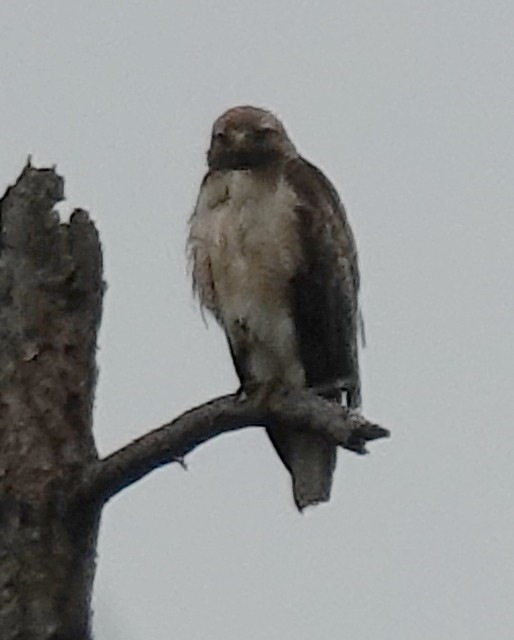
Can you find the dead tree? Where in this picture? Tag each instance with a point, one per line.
(53, 485)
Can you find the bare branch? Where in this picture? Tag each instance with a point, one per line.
(174, 440)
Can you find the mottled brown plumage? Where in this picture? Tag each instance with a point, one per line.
(274, 259)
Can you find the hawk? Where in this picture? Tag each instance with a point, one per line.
(274, 259)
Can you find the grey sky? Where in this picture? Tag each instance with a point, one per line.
(408, 107)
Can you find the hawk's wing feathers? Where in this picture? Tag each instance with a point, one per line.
(323, 298)
(324, 291)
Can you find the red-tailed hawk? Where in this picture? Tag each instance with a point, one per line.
(274, 259)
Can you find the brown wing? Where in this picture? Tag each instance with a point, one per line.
(324, 307)
(324, 291)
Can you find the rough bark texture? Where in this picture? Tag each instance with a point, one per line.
(50, 306)
(52, 484)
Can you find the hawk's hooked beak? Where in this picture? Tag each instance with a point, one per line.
(239, 138)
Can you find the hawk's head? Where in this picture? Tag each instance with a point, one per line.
(248, 138)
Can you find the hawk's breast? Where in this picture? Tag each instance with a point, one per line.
(246, 225)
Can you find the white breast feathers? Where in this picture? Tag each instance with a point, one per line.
(245, 251)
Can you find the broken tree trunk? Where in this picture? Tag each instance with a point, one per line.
(53, 486)
(50, 307)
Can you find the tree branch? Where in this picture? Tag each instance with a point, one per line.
(171, 442)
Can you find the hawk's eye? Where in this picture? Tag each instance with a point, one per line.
(220, 136)
(260, 135)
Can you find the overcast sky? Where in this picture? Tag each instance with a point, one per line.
(408, 107)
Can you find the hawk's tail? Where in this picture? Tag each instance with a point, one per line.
(309, 458)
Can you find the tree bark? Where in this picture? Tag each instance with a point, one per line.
(50, 306)
(53, 486)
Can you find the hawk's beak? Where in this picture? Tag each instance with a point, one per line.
(239, 138)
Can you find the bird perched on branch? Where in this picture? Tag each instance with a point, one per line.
(274, 259)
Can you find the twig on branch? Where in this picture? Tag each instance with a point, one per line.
(171, 442)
